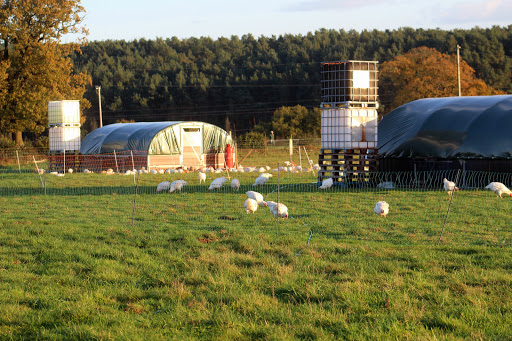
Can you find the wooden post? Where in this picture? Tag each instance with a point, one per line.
(133, 166)
(291, 150)
(115, 157)
(300, 160)
(135, 199)
(310, 162)
(18, 157)
(38, 172)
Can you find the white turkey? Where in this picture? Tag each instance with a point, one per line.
(382, 208)
(235, 184)
(202, 177)
(260, 181)
(386, 185)
(177, 185)
(327, 183)
(449, 186)
(256, 196)
(163, 186)
(498, 188)
(278, 210)
(217, 183)
(250, 205)
(266, 175)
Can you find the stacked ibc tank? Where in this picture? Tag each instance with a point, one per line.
(349, 120)
(64, 124)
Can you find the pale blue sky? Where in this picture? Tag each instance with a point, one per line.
(135, 19)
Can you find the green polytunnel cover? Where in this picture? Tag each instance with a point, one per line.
(157, 138)
(450, 127)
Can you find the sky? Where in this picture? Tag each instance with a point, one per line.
(151, 19)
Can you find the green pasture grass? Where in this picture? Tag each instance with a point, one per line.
(106, 257)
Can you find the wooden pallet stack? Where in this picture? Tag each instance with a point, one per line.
(347, 165)
(62, 161)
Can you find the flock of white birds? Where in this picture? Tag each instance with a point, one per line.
(280, 210)
(255, 199)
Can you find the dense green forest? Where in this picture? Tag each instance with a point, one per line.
(238, 82)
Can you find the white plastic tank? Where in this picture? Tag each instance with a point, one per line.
(64, 138)
(349, 128)
(65, 113)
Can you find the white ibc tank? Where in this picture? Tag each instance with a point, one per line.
(64, 138)
(64, 112)
(349, 128)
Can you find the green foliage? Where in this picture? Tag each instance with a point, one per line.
(252, 140)
(42, 142)
(296, 122)
(6, 142)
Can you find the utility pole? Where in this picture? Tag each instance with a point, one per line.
(98, 89)
(458, 68)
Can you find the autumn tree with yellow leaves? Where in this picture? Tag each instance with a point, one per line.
(35, 66)
(424, 73)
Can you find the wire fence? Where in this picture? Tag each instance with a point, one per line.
(421, 211)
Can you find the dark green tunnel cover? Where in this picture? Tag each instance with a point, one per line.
(451, 127)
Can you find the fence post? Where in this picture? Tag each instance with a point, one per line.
(449, 206)
(291, 149)
(310, 162)
(38, 172)
(115, 157)
(64, 163)
(300, 159)
(44, 186)
(277, 217)
(18, 157)
(133, 166)
(135, 199)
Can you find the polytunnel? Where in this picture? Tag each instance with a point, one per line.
(470, 131)
(166, 144)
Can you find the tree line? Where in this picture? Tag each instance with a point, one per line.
(238, 82)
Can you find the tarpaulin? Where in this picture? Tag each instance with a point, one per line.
(157, 138)
(449, 127)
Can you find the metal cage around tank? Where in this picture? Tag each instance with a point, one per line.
(350, 83)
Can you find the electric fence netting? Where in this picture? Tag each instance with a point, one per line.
(420, 210)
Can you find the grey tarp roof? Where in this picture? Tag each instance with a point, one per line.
(157, 138)
(450, 127)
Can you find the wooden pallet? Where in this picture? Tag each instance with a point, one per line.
(60, 161)
(347, 165)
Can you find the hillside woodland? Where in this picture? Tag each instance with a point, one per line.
(242, 84)
(239, 82)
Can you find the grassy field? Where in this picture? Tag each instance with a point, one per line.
(99, 257)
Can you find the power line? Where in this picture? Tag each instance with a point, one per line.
(241, 109)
